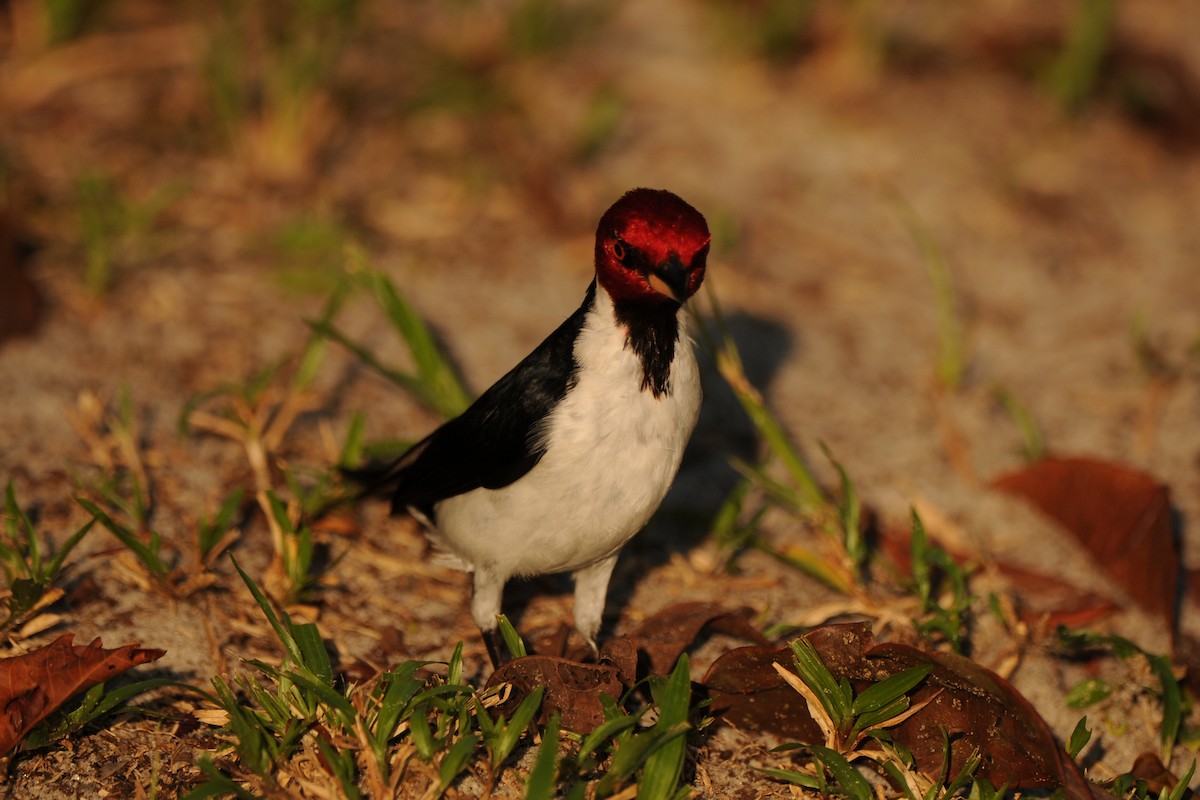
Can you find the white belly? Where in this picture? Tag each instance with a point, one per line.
(614, 451)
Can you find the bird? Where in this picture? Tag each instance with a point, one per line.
(565, 458)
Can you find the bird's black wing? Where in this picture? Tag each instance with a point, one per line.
(491, 444)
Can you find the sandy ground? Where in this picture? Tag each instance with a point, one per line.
(1067, 239)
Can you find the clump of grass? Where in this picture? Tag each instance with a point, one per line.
(270, 69)
(1075, 72)
(940, 603)
(600, 122)
(854, 726)
(260, 412)
(115, 230)
(952, 352)
(1033, 445)
(30, 569)
(736, 524)
(940, 584)
(123, 493)
(120, 498)
(100, 701)
(308, 251)
(777, 30)
(294, 548)
(1168, 689)
(296, 725)
(434, 382)
(539, 27)
(67, 20)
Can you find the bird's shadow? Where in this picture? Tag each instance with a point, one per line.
(705, 477)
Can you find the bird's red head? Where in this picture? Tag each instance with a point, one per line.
(651, 247)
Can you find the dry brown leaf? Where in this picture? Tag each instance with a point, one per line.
(966, 704)
(1122, 517)
(573, 688)
(20, 301)
(33, 685)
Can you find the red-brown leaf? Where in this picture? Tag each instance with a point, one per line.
(977, 709)
(748, 693)
(20, 302)
(573, 689)
(33, 685)
(663, 636)
(1122, 516)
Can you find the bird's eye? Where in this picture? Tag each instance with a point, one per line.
(618, 250)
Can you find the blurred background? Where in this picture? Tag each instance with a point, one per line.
(918, 206)
(948, 237)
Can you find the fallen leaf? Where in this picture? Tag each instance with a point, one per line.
(1149, 767)
(972, 706)
(1122, 517)
(33, 685)
(663, 637)
(1043, 601)
(747, 693)
(572, 689)
(20, 302)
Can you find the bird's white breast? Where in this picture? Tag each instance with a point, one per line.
(612, 452)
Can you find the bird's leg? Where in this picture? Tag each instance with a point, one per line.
(591, 587)
(497, 652)
(485, 607)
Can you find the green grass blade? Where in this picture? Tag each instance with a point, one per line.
(607, 730)
(1180, 789)
(506, 740)
(1033, 445)
(282, 632)
(1172, 701)
(630, 755)
(455, 760)
(217, 784)
(454, 669)
(512, 639)
(55, 564)
(889, 690)
(1079, 738)
(421, 733)
(790, 776)
(445, 388)
(340, 764)
(314, 351)
(146, 554)
(352, 445)
(211, 531)
(849, 514)
(660, 776)
(813, 672)
(20, 529)
(951, 357)
(724, 351)
(726, 529)
(541, 782)
(312, 651)
(846, 776)
(1079, 65)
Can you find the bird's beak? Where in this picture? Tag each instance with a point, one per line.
(670, 279)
